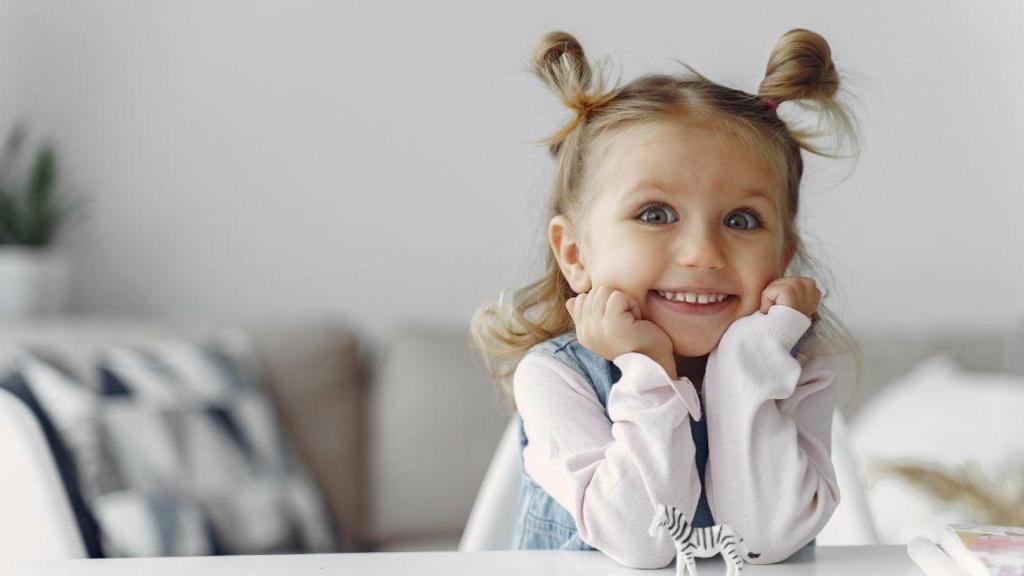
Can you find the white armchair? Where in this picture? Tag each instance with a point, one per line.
(33, 491)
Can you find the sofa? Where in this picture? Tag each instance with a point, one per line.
(396, 431)
(364, 416)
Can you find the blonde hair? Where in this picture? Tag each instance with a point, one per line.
(800, 70)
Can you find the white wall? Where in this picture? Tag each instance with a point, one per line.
(373, 159)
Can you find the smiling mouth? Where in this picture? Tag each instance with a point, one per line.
(694, 308)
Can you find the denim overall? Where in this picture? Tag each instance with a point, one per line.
(542, 523)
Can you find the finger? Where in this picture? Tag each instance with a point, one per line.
(789, 296)
(578, 307)
(569, 306)
(815, 294)
(634, 307)
(600, 303)
(767, 299)
(591, 307)
(810, 284)
(620, 303)
(588, 303)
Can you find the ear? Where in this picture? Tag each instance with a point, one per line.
(565, 246)
(788, 256)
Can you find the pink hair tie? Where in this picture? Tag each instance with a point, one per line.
(770, 103)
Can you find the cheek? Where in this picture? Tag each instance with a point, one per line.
(629, 264)
(759, 273)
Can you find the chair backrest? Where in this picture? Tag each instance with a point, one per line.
(851, 524)
(491, 521)
(38, 520)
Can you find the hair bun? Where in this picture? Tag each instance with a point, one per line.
(800, 68)
(559, 61)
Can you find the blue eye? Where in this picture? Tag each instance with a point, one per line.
(662, 214)
(753, 219)
(657, 209)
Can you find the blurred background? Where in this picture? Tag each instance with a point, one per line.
(324, 192)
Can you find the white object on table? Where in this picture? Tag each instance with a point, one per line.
(932, 558)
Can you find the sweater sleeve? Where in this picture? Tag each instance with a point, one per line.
(610, 472)
(769, 418)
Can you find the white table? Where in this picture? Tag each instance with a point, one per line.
(825, 560)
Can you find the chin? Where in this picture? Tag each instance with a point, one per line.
(692, 349)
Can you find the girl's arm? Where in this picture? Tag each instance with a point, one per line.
(611, 475)
(769, 472)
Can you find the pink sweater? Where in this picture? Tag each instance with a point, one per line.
(769, 420)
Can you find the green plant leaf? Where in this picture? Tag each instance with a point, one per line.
(40, 184)
(30, 214)
(9, 232)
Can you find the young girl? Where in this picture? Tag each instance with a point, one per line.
(666, 357)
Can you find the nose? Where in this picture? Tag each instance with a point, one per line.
(700, 247)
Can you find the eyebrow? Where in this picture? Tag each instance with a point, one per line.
(758, 193)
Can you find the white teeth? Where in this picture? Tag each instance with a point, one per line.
(693, 298)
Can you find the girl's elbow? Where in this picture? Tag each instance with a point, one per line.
(769, 547)
(778, 542)
(773, 554)
(623, 536)
(768, 558)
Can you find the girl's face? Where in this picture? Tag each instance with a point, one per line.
(677, 208)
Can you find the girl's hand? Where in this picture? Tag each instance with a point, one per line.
(797, 292)
(608, 323)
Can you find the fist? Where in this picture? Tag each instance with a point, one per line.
(797, 292)
(608, 322)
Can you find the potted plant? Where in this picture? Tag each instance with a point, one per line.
(33, 273)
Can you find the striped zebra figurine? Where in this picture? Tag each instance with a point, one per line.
(700, 542)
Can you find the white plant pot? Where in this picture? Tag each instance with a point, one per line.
(33, 282)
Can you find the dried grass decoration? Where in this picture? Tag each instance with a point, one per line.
(998, 502)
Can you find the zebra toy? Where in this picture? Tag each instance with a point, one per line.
(700, 542)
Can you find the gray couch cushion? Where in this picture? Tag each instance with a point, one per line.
(435, 424)
(318, 377)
